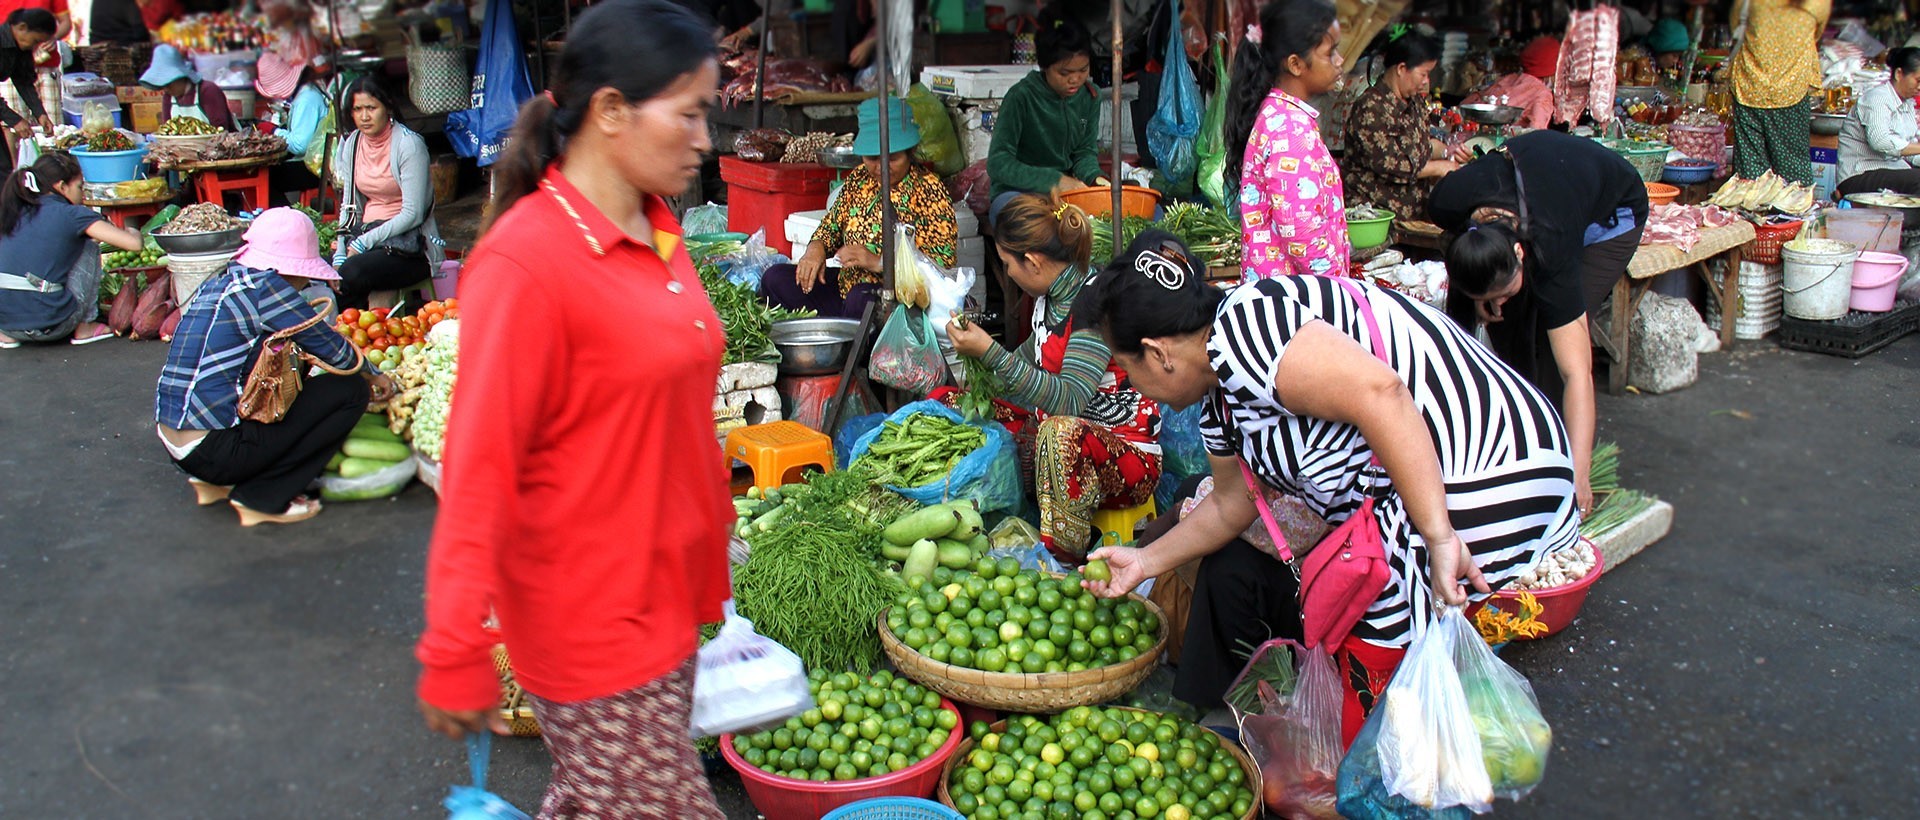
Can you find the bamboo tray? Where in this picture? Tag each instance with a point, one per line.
(1027, 692)
(227, 164)
(132, 202)
(1247, 766)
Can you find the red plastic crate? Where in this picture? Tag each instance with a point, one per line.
(761, 195)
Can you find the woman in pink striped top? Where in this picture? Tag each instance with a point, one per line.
(1292, 205)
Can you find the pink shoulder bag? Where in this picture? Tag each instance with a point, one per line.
(1346, 572)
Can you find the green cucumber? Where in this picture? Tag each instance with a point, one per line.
(353, 467)
(367, 494)
(370, 433)
(333, 464)
(378, 450)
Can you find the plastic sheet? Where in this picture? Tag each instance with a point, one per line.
(704, 219)
(382, 484)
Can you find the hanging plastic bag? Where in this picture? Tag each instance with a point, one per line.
(27, 154)
(746, 680)
(1364, 795)
(939, 144)
(1212, 146)
(911, 269)
(704, 219)
(989, 476)
(1176, 122)
(1514, 736)
(1429, 750)
(907, 356)
(946, 296)
(500, 85)
(1294, 738)
(475, 802)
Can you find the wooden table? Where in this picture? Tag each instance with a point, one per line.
(1653, 260)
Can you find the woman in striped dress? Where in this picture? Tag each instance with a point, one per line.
(1478, 468)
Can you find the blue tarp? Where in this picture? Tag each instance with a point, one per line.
(500, 85)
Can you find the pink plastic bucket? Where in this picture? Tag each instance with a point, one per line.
(1876, 277)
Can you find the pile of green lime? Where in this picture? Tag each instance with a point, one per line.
(858, 728)
(1001, 618)
(1096, 763)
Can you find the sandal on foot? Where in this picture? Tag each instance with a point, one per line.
(102, 336)
(207, 493)
(301, 509)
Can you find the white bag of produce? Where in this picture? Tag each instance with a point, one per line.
(381, 484)
(1429, 749)
(745, 681)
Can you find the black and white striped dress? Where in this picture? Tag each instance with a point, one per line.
(1504, 454)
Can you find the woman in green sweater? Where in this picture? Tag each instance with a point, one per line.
(1095, 439)
(1045, 138)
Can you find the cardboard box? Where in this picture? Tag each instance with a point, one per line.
(1826, 171)
(143, 107)
(1829, 141)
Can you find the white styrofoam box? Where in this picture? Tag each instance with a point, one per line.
(979, 82)
(757, 406)
(801, 225)
(747, 376)
(973, 121)
(972, 253)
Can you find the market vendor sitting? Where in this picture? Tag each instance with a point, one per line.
(1880, 142)
(1046, 136)
(850, 231)
(1392, 159)
(1669, 42)
(1528, 89)
(1096, 443)
(187, 94)
(299, 115)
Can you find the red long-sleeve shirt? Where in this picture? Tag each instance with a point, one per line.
(585, 498)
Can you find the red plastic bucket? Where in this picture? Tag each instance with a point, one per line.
(1876, 280)
(1558, 605)
(784, 798)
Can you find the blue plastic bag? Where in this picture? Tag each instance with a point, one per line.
(849, 435)
(500, 85)
(1183, 454)
(1175, 126)
(475, 802)
(989, 476)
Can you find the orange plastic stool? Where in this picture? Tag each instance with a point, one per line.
(249, 183)
(120, 215)
(778, 451)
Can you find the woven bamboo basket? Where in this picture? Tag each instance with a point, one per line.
(1247, 766)
(1029, 693)
(515, 707)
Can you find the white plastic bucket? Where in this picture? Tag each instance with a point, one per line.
(187, 271)
(1818, 277)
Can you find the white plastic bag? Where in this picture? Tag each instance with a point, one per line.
(1428, 746)
(746, 681)
(381, 484)
(948, 296)
(1514, 736)
(28, 153)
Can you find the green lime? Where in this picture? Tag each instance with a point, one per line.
(1097, 570)
(1006, 567)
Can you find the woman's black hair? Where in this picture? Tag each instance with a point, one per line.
(371, 88)
(18, 197)
(1480, 261)
(1411, 49)
(1059, 38)
(1288, 28)
(1905, 59)
(38, 21)
(636, 47)
(1134, 299)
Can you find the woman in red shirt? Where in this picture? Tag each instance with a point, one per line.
(586, 502)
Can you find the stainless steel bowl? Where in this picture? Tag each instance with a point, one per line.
(1828, 124)
(810, 347)
(208, 242)
(840, 157)
(1489, 114)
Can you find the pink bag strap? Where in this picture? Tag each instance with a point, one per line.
(1253, 484)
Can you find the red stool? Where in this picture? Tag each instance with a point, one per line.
(122, 215)
(249, 183)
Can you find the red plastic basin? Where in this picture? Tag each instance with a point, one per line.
(1558, 605)
(784, 798)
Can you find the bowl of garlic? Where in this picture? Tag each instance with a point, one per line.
(1559, 582)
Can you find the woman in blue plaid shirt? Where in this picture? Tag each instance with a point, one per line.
(260, 469)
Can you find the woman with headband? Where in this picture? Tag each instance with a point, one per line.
(1333, 392)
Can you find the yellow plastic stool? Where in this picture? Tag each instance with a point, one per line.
(778, 451)
(1116, 526)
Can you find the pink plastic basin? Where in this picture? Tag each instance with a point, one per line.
(1876, 278)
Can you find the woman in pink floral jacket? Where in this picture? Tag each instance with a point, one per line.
(1292, 206)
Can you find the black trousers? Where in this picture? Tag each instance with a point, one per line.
(269, 464)
(1242, 598)
(379, 269)
(1520, 338)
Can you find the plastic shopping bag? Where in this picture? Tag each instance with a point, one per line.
(1364, 795)
(1212, 146)
(704, 219)
(939, 146)
(1176, 122)
(1514, 736)
(989, 476)
(1428, 747)
(746, 681)
(907, 354)
(378, 484)
(475, 802)
(1295, 739)
(28, 154)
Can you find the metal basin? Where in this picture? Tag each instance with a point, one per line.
(208, 242)
(1489, 114)
(810, 347)
(840, 157)
(1828, 124)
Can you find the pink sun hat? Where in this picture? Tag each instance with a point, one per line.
(279, 78)
(284, 240)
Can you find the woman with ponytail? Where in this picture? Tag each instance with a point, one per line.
(1292, 207)
(1095, 445)
(49, 265)
(585, 503)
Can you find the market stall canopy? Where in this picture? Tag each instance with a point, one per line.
(1363, 20)
(500, 85)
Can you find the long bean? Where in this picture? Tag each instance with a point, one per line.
(919, 450)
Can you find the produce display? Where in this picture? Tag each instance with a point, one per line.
(243, 145)
(389, 339)
(859, 728)
(370, 450)
(747, 319)
(998, 617)
(920, 450)
(326, 228)
(1613, 505)
(1559, 568)
(147, 258)
(202, 217)
(1099, 762)
(112, 139)
(807, 148)
(1769, 192)
(948, 535)
(981, 383)
(428, 425)
(410, 376)
(186, 127)
(1211, 233)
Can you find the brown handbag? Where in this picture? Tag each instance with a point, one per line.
(274, 382)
